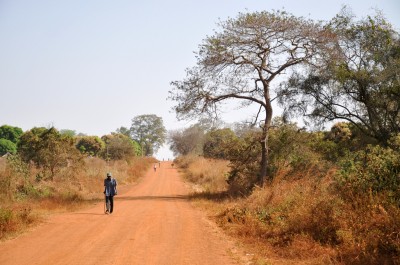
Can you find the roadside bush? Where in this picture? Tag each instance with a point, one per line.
(244, 157)
(13, 219)
(15, 174)
(6, 221)
(307, 216)
(294, 150)
(375, 169)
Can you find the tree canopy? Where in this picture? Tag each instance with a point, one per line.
(6, 146)
(187, 141)
(119, 146)
(90, 145)
(359, 81)
(218, 143)
(10, 133)
(149, 131)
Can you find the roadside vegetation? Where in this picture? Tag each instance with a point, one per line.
(298, 195)
(327, 204)
(44, 170)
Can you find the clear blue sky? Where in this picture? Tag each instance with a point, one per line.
(93, 65)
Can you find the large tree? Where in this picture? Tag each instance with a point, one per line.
(149, 131)
(241, 61)
(360, 81)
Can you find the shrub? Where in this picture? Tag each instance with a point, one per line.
(376, 169)
(6, 146)
(12, 219)
(90, 145)
(244, 157)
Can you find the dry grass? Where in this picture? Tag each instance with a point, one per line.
(16, 218)
(303, 219)
(208, 175)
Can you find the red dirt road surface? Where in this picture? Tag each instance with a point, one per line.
(153, 223)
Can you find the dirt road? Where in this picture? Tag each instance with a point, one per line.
(153, 223)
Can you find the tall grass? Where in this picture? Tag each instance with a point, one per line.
(304, 218)
(209, 175)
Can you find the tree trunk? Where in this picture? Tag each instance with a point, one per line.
(264, 163)
(264, 141)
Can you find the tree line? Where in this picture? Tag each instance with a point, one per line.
(50, 149)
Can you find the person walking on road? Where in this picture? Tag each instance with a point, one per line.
(110, 190)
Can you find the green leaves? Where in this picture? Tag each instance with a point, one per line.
(358, 81)
(90, 145)
(10, 133)
(376, 169)
(6, 146)
(149, 131)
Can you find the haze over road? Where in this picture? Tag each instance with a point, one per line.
(153, 223)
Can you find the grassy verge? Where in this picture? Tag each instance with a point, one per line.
(301, 219)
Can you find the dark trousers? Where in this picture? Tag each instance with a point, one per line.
(111, 200)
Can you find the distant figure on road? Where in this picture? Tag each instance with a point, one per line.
(155, 167)
(110, 190)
